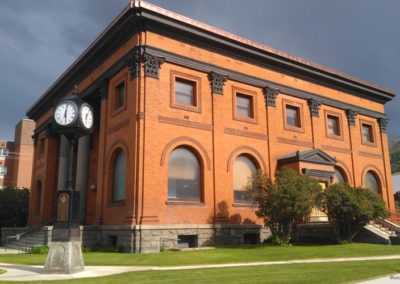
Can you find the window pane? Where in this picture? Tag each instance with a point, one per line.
(183, 175)
(333, 125)
(367, 133)
(184, 92)
(371, 182)
(292, 116)
(119, 177)
(243, 105)
(119, 96)
(338, 176)
(243, 170)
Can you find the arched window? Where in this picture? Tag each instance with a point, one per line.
(184, 173)
(38, 204)
(243, 170)
(339, 176)
(119, 176)
(371, 182)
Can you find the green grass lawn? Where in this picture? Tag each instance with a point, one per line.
(337, 272)
(218, 255)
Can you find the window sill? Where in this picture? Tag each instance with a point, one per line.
(244, 204)
(247, 119)
(294, 128)
(369, 144)
(182, 202)
(335, 137)
(116, 204)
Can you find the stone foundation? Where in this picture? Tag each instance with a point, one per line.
(156, 238)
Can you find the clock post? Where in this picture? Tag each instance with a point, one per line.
(72, 118)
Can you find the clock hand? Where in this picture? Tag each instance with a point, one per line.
(65, 114)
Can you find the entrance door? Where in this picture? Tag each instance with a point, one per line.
(316, 214)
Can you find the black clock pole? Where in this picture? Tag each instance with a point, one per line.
(65, 254)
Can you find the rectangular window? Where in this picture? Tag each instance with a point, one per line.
(3, 170)
(293, 116)
(3, 152)
(367, 133)
(119, 96)
(244, 105)
(333, 125)
(185, 92)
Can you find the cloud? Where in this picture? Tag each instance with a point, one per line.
(40, 39)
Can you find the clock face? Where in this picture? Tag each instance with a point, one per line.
(86, 116)
(66, 113)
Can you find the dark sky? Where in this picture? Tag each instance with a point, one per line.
(40, 39)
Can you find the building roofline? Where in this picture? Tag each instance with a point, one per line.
(244, 41)
(159, 17)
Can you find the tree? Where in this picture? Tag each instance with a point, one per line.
(397, 200)
(350, 208)
(284, 202)
(14, 205)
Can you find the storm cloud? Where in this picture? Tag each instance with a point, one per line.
(40, 39)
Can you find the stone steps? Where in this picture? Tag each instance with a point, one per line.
(25, 241)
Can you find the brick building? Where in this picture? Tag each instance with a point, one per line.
(16, 158)
(184, 113)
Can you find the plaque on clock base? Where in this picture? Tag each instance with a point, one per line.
(64, 258)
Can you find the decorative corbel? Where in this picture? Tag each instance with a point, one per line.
(217, 82)
(270, 95)
(351, 116)
(383, 123)
(314, 105)
(152, 65)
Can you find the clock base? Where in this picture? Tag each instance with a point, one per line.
(64, 258)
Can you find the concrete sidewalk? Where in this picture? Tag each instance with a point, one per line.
(35, 273)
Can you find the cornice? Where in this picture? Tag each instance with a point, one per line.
(199, 34)
(140, 16)
(258, 82)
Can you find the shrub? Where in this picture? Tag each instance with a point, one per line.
(291, 197)
(39, 249)
(14, 205)
(351, 208)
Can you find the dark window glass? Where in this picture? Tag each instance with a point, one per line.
(183, 175)
(338, 176)
(119, 176)
(333, 125)
(293, 116)
(244, 105)
(243, 170)
(185, 92)
(367, 135)
(119, 96)
(371, 182)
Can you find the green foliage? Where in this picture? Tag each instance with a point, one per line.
(395, 161)
(394, 149)
(351, 208)
(397, 200)
(284, 202)
(106, 249)
(39, 250)
(14, 205)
